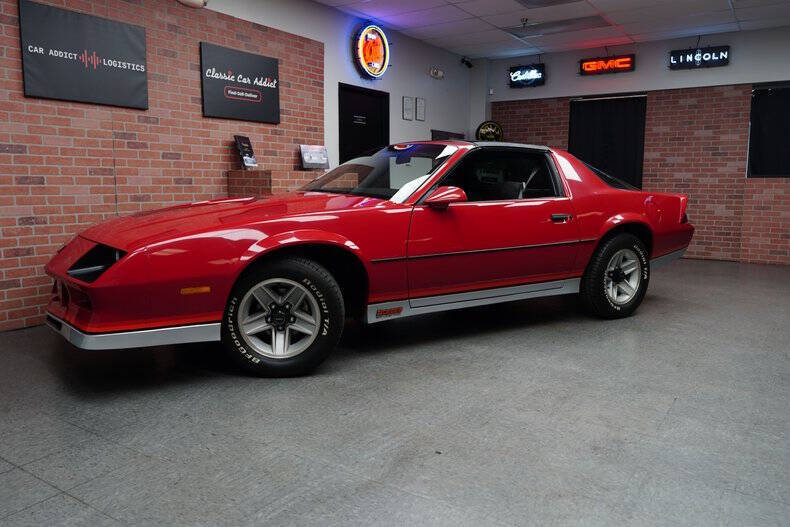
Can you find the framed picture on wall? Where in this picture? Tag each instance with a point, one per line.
(419, 108)
(408, 108)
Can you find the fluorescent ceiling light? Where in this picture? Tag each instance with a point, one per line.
(531, 4)
(558, 26)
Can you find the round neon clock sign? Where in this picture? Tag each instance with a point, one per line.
(373, 51)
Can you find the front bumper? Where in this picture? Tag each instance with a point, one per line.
(135, 339)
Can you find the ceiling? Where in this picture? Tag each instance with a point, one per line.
(506, 28)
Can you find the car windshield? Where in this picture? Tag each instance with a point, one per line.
(610, 179)
(392, 173)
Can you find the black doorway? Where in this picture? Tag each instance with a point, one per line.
(364, 117)
(609, 134)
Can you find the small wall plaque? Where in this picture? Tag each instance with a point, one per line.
(314, 156)
(247, 156)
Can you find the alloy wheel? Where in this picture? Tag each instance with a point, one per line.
(623, 276)
(279, 318)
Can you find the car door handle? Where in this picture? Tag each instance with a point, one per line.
(560, 218)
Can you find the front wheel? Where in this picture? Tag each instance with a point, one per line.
(616, 278)
(284, 318)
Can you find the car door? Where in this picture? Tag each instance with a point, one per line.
(517, 227)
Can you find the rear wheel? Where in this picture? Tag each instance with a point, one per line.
(616, 278)
(284, 318)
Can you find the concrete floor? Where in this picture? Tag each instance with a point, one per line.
(527, 413)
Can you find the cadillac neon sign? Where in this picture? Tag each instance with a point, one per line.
(613, 64)
(372, 51)
(528, 76)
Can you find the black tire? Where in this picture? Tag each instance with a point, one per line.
(593, 285)
(318, 283)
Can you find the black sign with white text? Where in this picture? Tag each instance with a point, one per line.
(75, 57)
(528, 76)
(691, 59)
(239, 85)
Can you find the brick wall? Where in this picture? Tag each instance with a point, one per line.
(766, 221)
(537, 121)
(64, 166)
(696, 142)
(243, 183)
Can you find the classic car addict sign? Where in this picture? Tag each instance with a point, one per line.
(239, 85)
(75, 57)
(528, 76)
(691, 59)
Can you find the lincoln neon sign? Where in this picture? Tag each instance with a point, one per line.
(614, 64)
(691, 59)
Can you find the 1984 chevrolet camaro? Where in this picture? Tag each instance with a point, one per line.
(412, 228)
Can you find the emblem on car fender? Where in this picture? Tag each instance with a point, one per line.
(389, 312)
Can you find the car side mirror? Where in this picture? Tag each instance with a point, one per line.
(441, 198)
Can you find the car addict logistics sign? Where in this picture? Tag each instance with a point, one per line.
(239, 85)
(75, 57)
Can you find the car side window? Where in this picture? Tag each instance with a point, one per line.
(491, 175)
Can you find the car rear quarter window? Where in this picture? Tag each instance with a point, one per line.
(609, 179)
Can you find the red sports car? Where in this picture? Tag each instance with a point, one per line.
(412, 228)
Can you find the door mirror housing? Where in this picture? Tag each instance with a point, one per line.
(441, 198)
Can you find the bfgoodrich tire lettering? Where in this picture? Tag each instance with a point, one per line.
(295, 298)
(616, 278)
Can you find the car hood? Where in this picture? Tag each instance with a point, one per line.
(138, 230)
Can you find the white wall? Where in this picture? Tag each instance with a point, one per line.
(447, 101)
(479, 107)
(755, 56)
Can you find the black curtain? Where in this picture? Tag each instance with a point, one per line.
(443, 135)
(609, 134)
(769, 153)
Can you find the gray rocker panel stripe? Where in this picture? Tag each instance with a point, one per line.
(667, 258)
(432, 304)
(135, 339)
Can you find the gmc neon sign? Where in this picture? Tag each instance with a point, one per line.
(614, 64)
